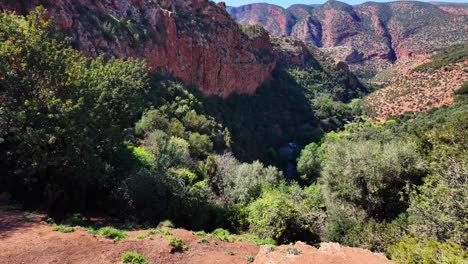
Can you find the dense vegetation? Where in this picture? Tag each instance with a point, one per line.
(87, 135)
(399, 187)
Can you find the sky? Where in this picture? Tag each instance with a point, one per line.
(287, 3)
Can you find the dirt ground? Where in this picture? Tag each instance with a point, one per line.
(25, 239)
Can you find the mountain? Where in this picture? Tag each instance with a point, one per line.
(419, 85)
(370, 36)
(196, 41)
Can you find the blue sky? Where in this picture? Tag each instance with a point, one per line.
(286, 3)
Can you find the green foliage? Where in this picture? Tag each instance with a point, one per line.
(223, 235)
(63, 228)
(414, 250)
(437, 208)
(166, 224)
(140, 236)
(112, 233)
(63, 115)
(203, 241)
(253, 31)
(133, 258)
(176, 243)
(287, 213)
(309, 163)
(371, 176)
(200, 145)
(453, 54)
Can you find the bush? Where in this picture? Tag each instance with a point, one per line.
(133, 258)
(203, 241)
(176, 243)
(414, 250)
(249, 259)
(112, 233)
(293, 251)
(63, 228)
(287, 213)
(223, 235)
(166, 224)
(371, 175)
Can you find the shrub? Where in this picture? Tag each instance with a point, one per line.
(249, 259)
(140, 236)
(223, 235)
(112, 233)
(166, 223)
(414, 250)
(293, 251)
(133, 258)
(176, 243)
(63, 228)
(287, 213)
(203, 241)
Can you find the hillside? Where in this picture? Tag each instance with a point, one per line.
(144, 131)
(80, 246)
(370, 36)
(196, 41)
(419, 85)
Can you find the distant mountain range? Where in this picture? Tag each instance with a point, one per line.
(370, 36)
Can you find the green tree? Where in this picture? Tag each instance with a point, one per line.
(64, 116)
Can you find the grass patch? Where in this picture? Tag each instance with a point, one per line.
(256, 240)
(223, 235)
(108, 232)
(63, 228)
(200, 233)
(163, 232)
(203, 241)
(140, 236)
(176, 243)
(133, 258)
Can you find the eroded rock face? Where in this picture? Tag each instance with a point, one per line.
(369, 36)
(194, 40)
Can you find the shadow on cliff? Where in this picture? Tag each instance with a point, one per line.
(279, 112)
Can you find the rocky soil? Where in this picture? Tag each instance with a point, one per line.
(408, 91)
(25, 239)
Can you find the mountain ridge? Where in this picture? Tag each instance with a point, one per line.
(370, 36)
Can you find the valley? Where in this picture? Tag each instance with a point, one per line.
(175, 131)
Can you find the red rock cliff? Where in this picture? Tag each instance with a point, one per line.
(194, 40)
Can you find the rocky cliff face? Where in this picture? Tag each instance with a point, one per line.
(194, 40)
(370, 36)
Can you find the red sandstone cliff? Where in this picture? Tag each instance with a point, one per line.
(194, 40)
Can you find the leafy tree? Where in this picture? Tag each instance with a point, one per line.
(287, 213)
(309, 163)
(371, 176)
(64, 116)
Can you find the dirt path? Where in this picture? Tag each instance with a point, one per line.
(24, 239)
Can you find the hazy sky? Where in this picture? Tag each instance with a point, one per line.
(286, 3)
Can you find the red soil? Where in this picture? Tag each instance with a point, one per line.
(25, 239)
